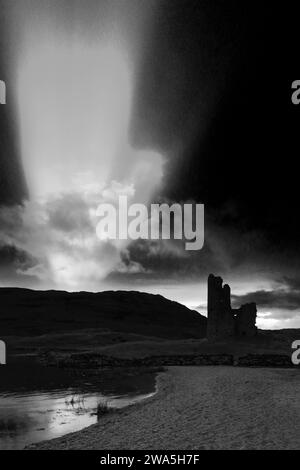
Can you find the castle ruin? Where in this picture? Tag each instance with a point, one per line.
(224, 321)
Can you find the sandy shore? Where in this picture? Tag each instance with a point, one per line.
(203, 408)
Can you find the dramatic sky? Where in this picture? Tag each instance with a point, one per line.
(161, 100)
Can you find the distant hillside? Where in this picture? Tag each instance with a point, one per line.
(25, 312)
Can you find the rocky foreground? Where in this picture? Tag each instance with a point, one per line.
(203, 408)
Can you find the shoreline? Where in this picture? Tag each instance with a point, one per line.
(201, 408)
(162, 385)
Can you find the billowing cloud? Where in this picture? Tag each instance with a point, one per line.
(285, 296)
(58, 236)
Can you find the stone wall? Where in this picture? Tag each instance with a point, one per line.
(89, 361)
(245, 320)
(94, 360)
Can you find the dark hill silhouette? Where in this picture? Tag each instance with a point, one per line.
(25, 312)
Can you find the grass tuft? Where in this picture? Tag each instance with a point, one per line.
(103, 408)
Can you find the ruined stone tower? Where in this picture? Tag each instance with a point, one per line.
(222, 320)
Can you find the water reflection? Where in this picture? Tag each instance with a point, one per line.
(30, 416)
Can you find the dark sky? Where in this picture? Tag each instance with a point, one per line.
(216, 86)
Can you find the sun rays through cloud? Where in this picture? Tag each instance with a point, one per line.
(74, 98)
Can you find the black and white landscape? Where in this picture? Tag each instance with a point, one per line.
(162, 102)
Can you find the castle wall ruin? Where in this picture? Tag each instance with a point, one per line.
(224, 321)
